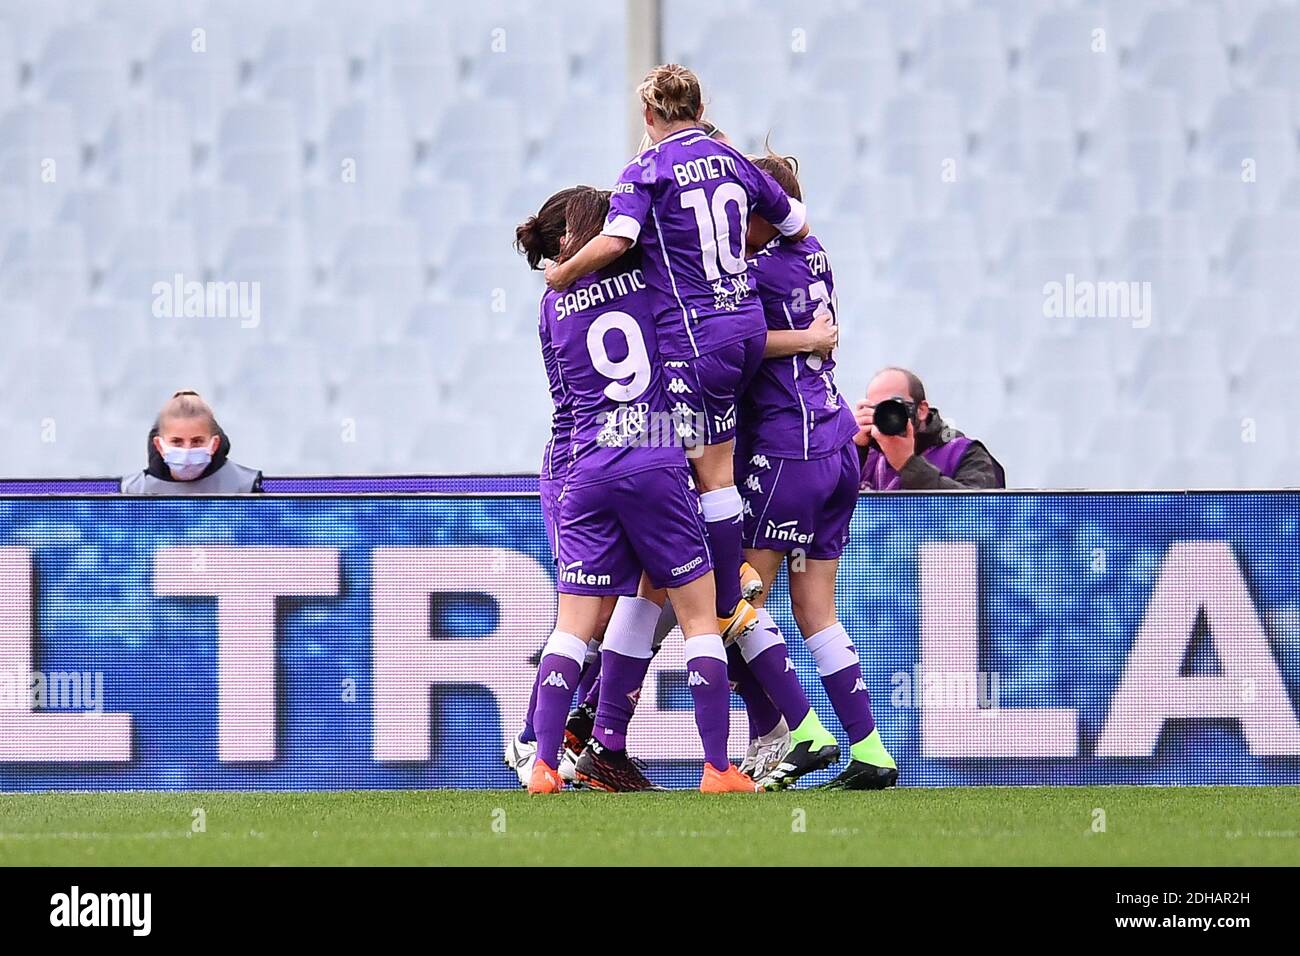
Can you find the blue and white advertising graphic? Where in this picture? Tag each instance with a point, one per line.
(373, 641)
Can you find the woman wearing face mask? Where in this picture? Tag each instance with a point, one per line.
(189, 454)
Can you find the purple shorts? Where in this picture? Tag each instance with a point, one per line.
(609, 533)
(791, 503)
(549, 491)
(706, 391)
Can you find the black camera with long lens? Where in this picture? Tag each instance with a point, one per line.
(892, 415)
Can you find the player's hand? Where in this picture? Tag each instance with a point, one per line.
(862, 413)
(823, 335)
(898, 449)
(555, 277)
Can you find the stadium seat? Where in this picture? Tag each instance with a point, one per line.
(10, 68)
(303, 64)
(1217, 202)
(85, 65)
(196, 67)
(965, 57)
(1250, 134)
(920, 138)
(150, 374)
(101, 213)
(478, 144)
(1142, 134)
(40, 155)
(1106, 200)
(145, 255)
(48, 267)
(258, 149)
(415, 65)
(338, 328)
(437, 209)
(882, 204)
(380, 262)
(1030, 136)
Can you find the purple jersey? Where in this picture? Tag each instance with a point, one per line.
(555, 460)
(792, 408)
(602, 332)
(687, 200)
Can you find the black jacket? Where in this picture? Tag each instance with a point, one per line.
(978, 468)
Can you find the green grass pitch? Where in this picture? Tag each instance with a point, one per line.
(976, 826)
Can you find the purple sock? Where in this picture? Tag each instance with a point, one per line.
(593, 693)
(706, 667)
(528, 735)
(722, 517)
(590, 674)
(760, 710)
(852, 701)
(621, 678)
(765, 652)
(841, 674)
(557, 676)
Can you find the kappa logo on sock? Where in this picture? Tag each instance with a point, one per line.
(695, 679)
(555, 679)
(858, 685)
(789, 664)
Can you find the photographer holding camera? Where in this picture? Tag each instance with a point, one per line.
(904, 444)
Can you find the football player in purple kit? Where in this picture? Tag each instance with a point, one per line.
(686, 200)
(626, 507)
(801, 486)
(539, 238)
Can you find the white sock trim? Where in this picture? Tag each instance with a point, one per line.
(762, 638)
(722, 504)
(631, 627)
(705, 645)
(833, 650)
(566, 645)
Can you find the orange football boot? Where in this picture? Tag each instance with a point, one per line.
(730, 780)
(544, 779)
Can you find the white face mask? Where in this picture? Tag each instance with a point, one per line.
(186, 464)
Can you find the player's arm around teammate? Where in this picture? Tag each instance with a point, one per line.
(678, 201)
(626, 507)
(801, 486)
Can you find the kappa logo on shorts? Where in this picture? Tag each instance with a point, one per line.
(555, 679)
(678, 387)
(787, 531)
(690, 565)
(789, 664)
(746, 509)
(858, 685)
(684, 421)
(752, 484)
(574, 574)
(695, 679)
(760, 461)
